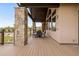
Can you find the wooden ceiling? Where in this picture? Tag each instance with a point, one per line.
(38, 10)
(39, 14)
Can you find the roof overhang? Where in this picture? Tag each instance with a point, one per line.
(38, 10)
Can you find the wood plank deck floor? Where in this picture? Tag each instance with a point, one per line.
(40, 47)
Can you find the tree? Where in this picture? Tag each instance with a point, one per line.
(1, 29)
(9, 29)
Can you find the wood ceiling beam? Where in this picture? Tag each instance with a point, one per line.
(38, 9)
(38, 5)
(31, 16)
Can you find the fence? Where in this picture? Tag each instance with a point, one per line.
(2, 37)
(8, 37)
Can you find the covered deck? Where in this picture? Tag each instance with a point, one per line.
(39, 47)
(31, 46)
(37, 12)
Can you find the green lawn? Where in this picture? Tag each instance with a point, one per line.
(7, 39)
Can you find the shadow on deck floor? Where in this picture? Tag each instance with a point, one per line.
(40, 47)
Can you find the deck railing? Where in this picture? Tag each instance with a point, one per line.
(2, 37)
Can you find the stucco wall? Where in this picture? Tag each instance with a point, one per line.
(66, 24)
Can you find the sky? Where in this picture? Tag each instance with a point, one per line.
(7, 15)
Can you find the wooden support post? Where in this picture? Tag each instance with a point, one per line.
(30, 31)
(46, 25)
(34, 25)
(2, 37)
(21, 26)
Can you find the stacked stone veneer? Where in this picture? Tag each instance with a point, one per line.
(20, 26)
(43, 26)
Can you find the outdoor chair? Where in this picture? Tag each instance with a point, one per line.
(39, 33)
(35, 34)
(43, 33)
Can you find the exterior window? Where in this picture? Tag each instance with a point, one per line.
(54, 24)
(49, 26)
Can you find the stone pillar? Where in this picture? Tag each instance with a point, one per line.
(46, 25)
(43, 26)
(21, 33)
(34, 25)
